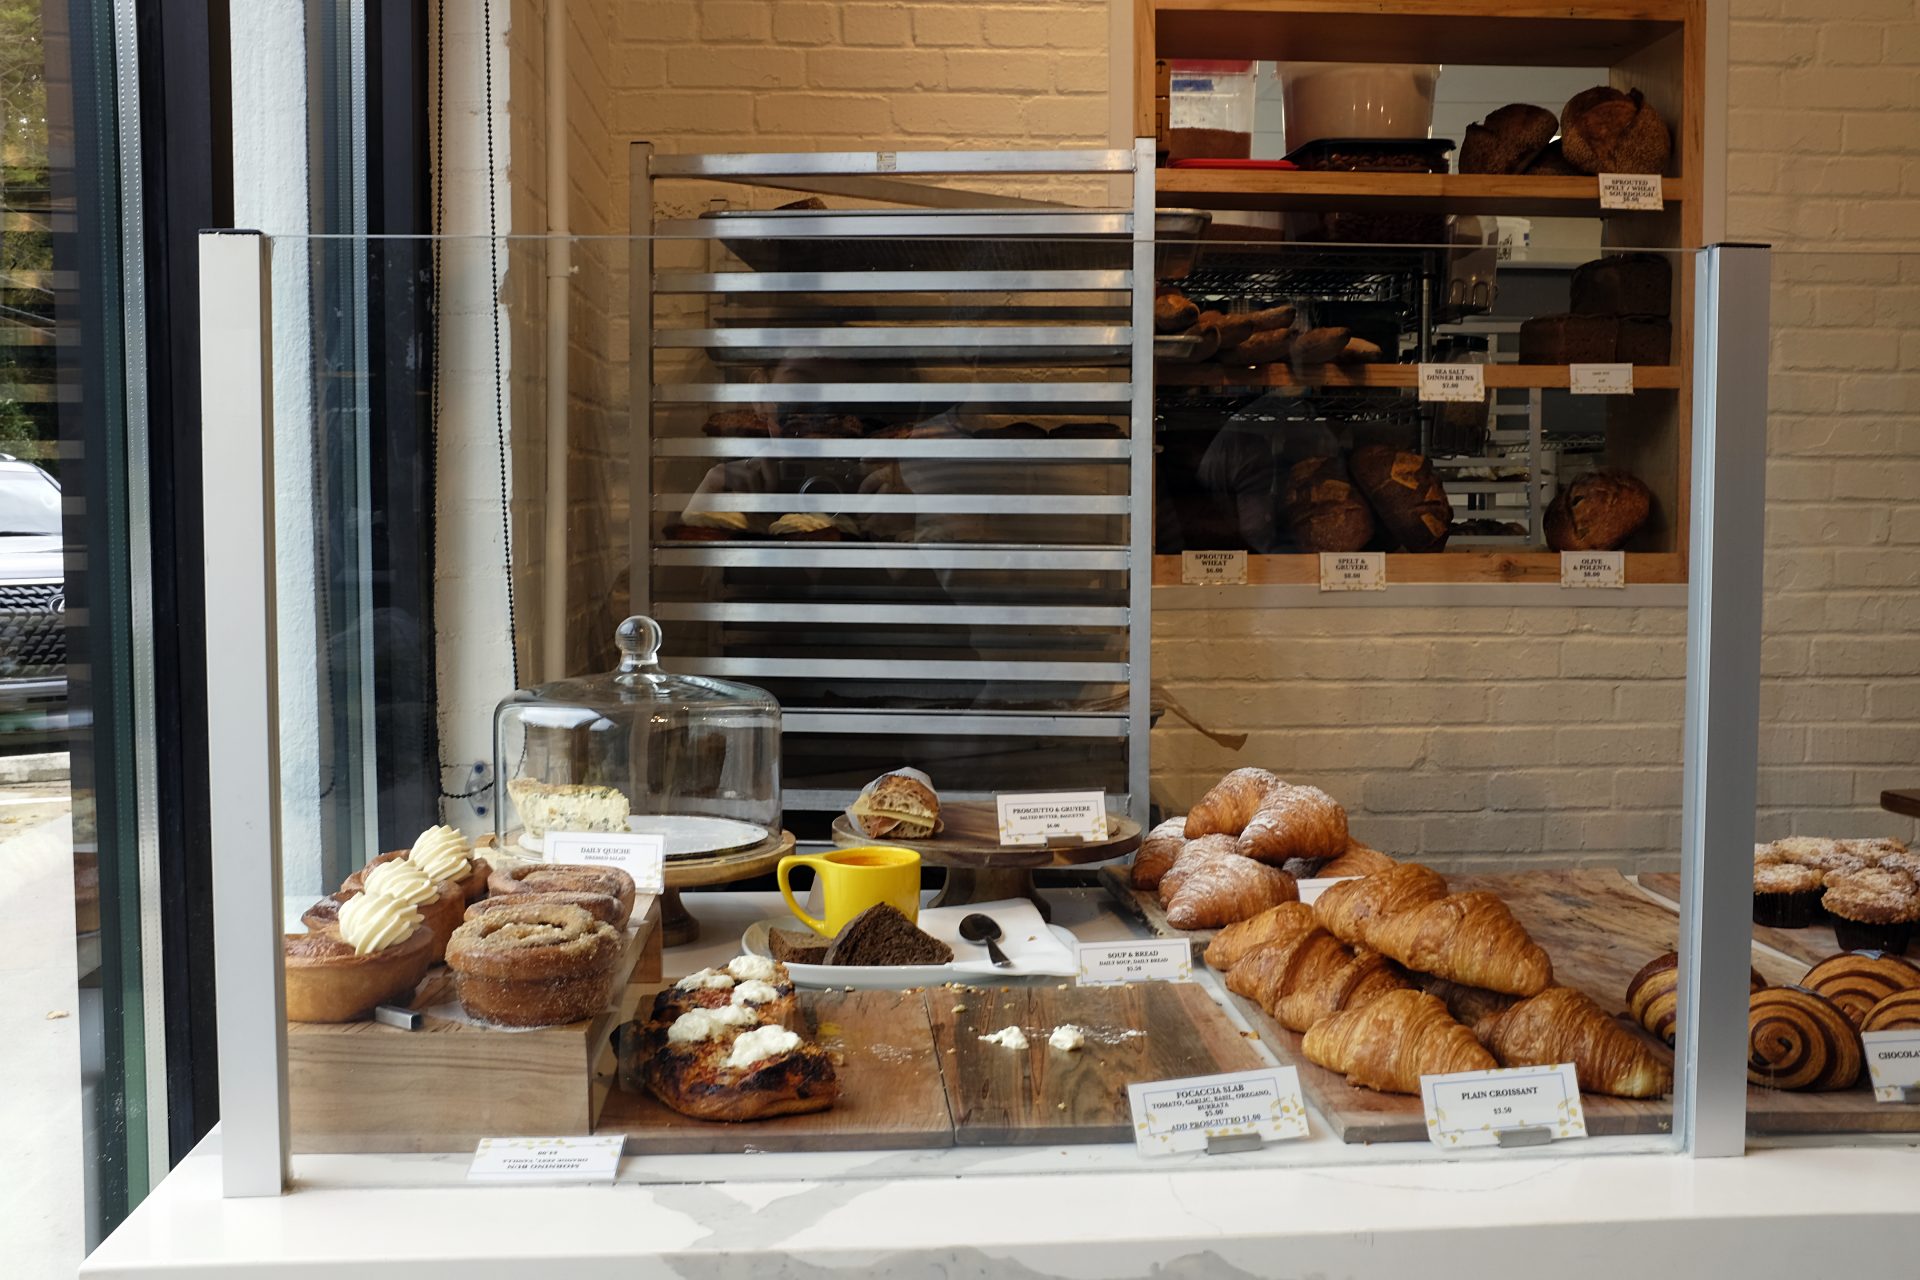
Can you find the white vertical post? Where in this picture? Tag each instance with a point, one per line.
(243, 748)
(1723, 693)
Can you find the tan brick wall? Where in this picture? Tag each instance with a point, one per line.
(1824, 162)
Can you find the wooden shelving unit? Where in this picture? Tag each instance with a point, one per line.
(1656, 46)
(1498, 376)
(1303, 191)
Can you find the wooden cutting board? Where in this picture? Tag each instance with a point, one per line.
(1042, 1095)
(891, 1098)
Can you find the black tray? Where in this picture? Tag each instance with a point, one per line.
(1354, 153)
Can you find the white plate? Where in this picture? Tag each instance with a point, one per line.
(884, 977)
(687, 835)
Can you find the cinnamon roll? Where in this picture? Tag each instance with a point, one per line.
(534, 965)
(1799, 1040)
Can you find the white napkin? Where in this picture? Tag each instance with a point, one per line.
(1024, 936)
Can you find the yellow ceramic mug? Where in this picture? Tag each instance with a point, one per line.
(851, 880)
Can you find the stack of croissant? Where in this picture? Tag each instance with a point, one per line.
(1241, 848)
(1375, 972)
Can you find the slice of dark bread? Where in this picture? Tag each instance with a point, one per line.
(790, 946)
(881, 935)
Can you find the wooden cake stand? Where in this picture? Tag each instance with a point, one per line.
(980, 868)
(677, 926)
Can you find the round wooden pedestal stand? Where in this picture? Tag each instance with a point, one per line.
(677, 926)
(979, 868)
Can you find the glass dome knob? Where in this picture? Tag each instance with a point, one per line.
(639, 641)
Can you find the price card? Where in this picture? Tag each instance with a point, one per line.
(1181, 1115)
(1113, 964)
(642, 856)
(1600, 379)
(1466, 382)
(1213, 568)
(1353, 571)
(1632, 191)
(1473, 1108)
(1893, 1062)
(594, 1159)
(1034, 817)
(1603, 569)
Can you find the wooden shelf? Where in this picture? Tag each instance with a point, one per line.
(1463, 566)
(1309, 191)
(1648, 377)
(1583, 33)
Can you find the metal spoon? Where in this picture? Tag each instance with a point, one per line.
(985, 930)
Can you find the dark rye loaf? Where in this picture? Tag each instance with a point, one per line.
(881, 935)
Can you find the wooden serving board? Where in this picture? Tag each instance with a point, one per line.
(1783, 956)
(890, 1096)
(1599, 930)
(970, 837)
(1809, 945)
(365, 1086)
(1041, 1095)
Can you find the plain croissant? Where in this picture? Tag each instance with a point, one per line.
(1346, 908)
(1407, 913)
(1193, 855)
(1272, 819)
(1274, 925)
(1159, 851)
(1564, 1025)
(1466, 937)
(1389, 1044)
(1358, 860)
(1356, 984)
(1266, 975)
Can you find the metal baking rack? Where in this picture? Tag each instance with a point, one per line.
(987, 616)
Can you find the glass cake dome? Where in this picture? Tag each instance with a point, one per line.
(638, 749)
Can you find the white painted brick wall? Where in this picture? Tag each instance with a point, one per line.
(1473, 736)
(1824, 162)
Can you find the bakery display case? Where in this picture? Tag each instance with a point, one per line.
(468, 983)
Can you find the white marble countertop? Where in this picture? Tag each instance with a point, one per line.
(1299, 1208)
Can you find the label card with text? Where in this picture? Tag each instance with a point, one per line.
(1600, 379)
(1113, 964)
(642, 856)
(1353, 571)
(1470, 1108)
(1034, 817)
(1463, 382)
(595, 1159)
(1632, 191)
(1893, 1061)
(1213, 568)
(1593, 569)
(1180, 1115)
